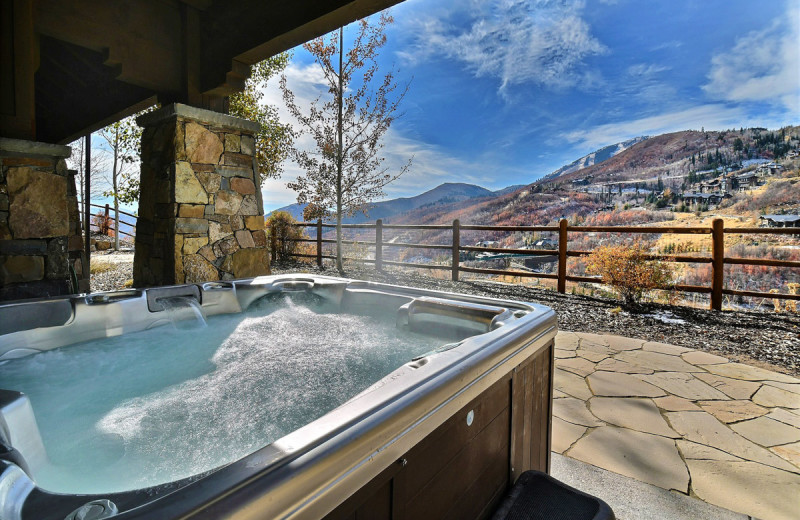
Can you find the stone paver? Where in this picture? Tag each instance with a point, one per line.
(790, 452)
(578, 365)
(571, 384)
(657, 361)
(620, 343)
(747, 487)
(635, 500)
(574, 411)
(564, 354)
(696, 357)
(599, 348)
(789, 387)
(588, 337)
(683, 385)
(703, 428)
(612, 384)
(566, 340)
(767, 432)
(734, 388)
(671, 403)
(779, 414)
(649, 458)
(772, 396)
(681, 419)
(748, 373)
(664, 348)
(615, 365)
(565, 434)
(591, 355)
(637, 414)
(693, 450)
(733, 411)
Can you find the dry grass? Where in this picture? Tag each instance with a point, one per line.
(99, 266)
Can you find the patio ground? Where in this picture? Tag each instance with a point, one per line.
(680, 419)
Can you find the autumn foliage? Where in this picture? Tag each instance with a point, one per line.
(281, 227)
(104, 224)
(628, 271)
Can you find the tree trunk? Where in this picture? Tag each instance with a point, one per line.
(339, 160)
(116, 198)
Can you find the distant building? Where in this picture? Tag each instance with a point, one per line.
(545, 243)
(703, 198)
(780, 220)
(487, 243)
(747, 180)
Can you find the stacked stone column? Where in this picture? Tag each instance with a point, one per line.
(201, 217)
(36, 220)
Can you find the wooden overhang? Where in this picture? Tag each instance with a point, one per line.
(68, 67)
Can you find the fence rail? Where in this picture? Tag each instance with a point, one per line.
(717, 259)
(107, 209)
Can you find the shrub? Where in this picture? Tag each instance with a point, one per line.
(281, 227)
(104, 223)
(628, 271)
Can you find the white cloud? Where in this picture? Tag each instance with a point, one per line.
(712, 116)
(431, 164)
(762, 66)
(646, 70)
(543, 42)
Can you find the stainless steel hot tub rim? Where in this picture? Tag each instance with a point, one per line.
(310, 471)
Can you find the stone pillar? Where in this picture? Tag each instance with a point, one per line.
(201, 217)
(34, 220)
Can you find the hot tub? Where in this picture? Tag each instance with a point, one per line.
(275, 397)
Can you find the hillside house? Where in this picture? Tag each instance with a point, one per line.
(487, 243)
(710, 199)
(747, 180)
(710, 186)
(779, 220)
(546, 244)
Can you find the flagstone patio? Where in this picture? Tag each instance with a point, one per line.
(680, 419)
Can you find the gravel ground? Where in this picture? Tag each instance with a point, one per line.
(119, 271)
(763, 339)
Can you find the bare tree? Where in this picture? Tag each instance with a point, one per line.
(124, 141)
(77, 161)
(345, 171)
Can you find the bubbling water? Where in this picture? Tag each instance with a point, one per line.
(156, 406)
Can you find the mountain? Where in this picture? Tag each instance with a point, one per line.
(669, 157)
(593, 158)
(448, 192)
(508, 189)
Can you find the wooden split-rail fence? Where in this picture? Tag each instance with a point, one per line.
(717, 259)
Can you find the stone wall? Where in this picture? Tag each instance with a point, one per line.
(34, 220)
(201, 217)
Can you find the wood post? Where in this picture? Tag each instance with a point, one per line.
(717, 262)
(379, 244)
(87, 210)
(456, 248)
(319, 243)
(562, 256)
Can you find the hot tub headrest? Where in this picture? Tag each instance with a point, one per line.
(34, 314)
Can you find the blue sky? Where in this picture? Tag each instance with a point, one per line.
(503, 91)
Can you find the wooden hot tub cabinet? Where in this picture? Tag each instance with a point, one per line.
(462, 471)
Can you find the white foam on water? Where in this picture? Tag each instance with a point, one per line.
(153, 407)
